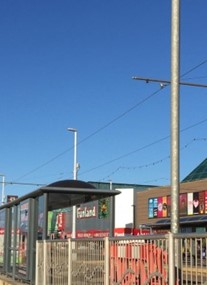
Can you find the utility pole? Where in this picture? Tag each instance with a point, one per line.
(175, 115)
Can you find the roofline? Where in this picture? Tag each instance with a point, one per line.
(51, 189)
(117, 184)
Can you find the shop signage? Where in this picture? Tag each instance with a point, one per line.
(86, 212)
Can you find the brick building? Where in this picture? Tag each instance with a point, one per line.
(153, 205)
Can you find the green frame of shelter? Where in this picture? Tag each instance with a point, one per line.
(58, 195)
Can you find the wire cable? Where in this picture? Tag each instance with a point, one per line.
(151, 163)
(91, 135)
(107, 124)
(141, 148)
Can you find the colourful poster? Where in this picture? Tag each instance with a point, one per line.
(52, 222)
(205, 194)
(103, 208)
(168, 206)
(24, 208)
(150, 208)
(201, 202)
(159, 211)
(183, 204)
(155, 207)
(196, 203)
(164, 206)
(22, 239)
(190, 204)
(61, 221)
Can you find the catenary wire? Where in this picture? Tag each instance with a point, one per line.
(108, 124)
(142, 148)
(149, 164)
(91, 135)
(116, 170)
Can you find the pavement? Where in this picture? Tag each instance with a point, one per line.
(9, 281)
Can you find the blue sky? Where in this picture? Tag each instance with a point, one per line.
(70, 64)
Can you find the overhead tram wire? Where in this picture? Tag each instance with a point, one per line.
(118, 168)
(106, 125)
(125, 155)
(195, 67)
(138, 104)
(144, 100)
(196, 77)
(23, 183)
(141, 148)
(44, 164)
(151, 163)
(92, 134)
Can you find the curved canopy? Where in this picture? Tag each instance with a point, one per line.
(66, 193)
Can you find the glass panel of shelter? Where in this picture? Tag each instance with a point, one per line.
(22, 238)
(2, 235)
(11, 240)
(40, 217)
(17, 240)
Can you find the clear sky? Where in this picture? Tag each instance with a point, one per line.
(70, 64)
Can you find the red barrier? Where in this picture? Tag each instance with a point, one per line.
(138, 263)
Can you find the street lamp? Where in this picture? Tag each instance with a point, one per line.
(75, 165)
(75, 174)
(2, 191)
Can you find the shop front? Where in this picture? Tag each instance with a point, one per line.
(154, 207)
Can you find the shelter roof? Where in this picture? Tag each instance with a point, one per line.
(66, 193)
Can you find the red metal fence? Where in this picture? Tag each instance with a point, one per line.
(142, 260)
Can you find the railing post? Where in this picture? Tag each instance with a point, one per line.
(44, 262)
(37, 264)
(171, 259)
(106, 261)
(69, 262)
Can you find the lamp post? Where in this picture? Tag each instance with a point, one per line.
(112, 213)
(75, 174)
(2, 191)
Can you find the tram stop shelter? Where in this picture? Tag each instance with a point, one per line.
(25, 220)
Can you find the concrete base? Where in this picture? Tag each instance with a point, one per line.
(9, 281)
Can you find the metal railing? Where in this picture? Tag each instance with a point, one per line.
(143, 260)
